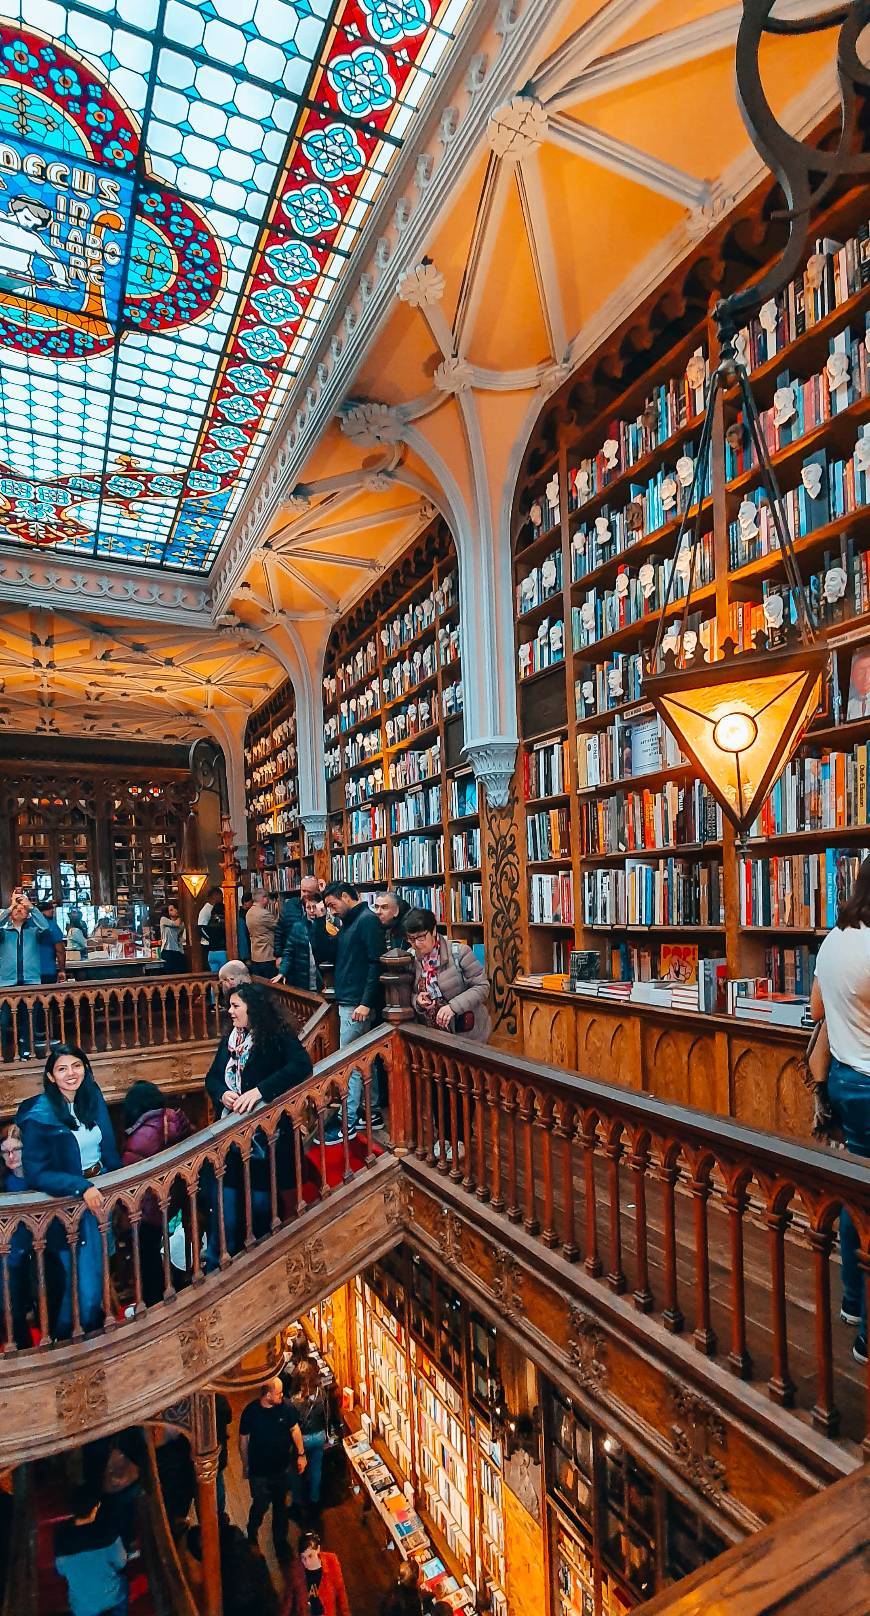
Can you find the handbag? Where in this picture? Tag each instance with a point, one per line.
(814, 1065)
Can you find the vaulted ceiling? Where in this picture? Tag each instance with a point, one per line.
(476, 277)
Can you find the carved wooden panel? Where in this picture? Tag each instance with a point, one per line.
(684, 1065)
(767, 1088)
(550, 1033)
(505, 911)
(607, 1046)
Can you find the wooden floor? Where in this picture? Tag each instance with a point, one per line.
(369, 1568)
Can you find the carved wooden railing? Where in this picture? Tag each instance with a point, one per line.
(110, 1017)
(561, 1156)
(187, 1181)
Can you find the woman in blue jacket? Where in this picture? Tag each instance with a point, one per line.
(67, 1142)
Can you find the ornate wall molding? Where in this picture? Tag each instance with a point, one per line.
(493, 761)
(507, 1284)
(314, 826)
(82, 1399)
(31, 578)
(306, 1267)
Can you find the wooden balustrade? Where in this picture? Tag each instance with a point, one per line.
(205, 1186)
(111, 1017)
(648, 1197)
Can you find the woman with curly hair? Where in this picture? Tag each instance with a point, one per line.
(67, 1142)
(259, 1059)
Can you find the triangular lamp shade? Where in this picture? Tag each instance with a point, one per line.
(739, 720)
(192, 867)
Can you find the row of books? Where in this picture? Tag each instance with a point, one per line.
(608, 684)
(277, 764)
(332, 762)
(418, 855)
(625, 750)
(791, 970)
(638, 594)
(801, 406)
(452, 699)
(367, 824)
(539, 583)
(462, 797)
(676, 815)
(283, 734)
(551, 899)
(548, 834)
(361, 788)
(363, 866)
(828, 792)
(544, 650)
(418, 714)
(649, 507)
(361, 747)
(669, 892)
(264, 801)
(425, 897)
(351, 670)
(404, 676)
(417, 811)
(667, 411)
(354, 710)
(545, 770)
(466, 902)
(801, 890)
(835, 272)
(465, 849)
(827, 491)
(409, 768)
(417, 616)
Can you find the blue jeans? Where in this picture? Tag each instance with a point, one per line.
(314, 1444)
(849, 1094)
(89, 1256)
(216, 958)
(234, 1220)
(348, 1032)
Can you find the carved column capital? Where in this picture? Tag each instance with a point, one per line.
(315, 829)
(493, 761)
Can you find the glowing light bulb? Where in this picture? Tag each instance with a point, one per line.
(735, 732)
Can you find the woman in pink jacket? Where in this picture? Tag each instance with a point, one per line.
(150, 1125)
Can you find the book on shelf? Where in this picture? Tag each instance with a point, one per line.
(418, 855)
(791, 969)
(584, 965)
(544, 650)
(666, 892)
(548, 834)
(800, 407)
(668, 409)
(419, 810)
(551, 898)
(803, 890)
(829, 491)
(678, 962)
(774, 1009)
(463, 797)
(677, 814)
(539, 583)
(545, 769)
(624, 751)
(858, 701)
(616, 682)
(840, 271)
(640, 593)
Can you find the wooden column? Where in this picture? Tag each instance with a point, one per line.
(206, 1457)
(230, 872)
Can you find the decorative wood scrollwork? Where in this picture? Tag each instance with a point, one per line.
(81, 1399)
(587, 1349)
(305, 1267)
(200, 1340)
(507, 1283)
(504, 933)
(700, 1430)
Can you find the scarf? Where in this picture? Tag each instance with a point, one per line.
(240, 1045)
(430, 965)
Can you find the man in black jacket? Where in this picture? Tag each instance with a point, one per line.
(356, 954)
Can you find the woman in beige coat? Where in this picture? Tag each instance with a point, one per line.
(450, 985)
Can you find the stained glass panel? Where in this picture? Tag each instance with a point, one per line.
(181, 185)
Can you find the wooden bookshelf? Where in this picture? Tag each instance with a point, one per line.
(417, 1350)
(624, 848)
(272, 794)
(403, 809)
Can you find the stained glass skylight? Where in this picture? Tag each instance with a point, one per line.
(181, 185)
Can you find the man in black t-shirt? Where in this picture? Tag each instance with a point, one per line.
(269, 1437)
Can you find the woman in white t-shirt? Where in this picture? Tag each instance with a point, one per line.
(841, 994)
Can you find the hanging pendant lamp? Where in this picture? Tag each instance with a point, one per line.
(192, 870)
